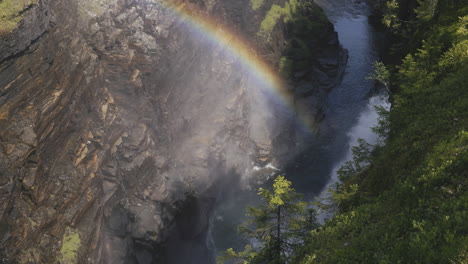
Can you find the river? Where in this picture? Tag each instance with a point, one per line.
(349, 115)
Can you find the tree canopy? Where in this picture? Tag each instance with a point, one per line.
(278, 225)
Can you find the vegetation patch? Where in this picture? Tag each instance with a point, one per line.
(280, 223)
(256, 4)
(305, 22)
(270, 21)
(286, 66)
(71, 243)
(11, 13)
(405, 201)
(409, 203)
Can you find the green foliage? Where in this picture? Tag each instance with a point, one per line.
(382, 129)
(420, 220)
(409, 203)
(426, 10)
(406, 201)
(362, 154)
(381, 74)
(303, 18)
(306, 23)
(280, 224)
(285, 66)
(10, 14)
(244, 257)
(410, 26)
(390, 17)
(256, 4)
(462, 28)
(457, 55)
(270, 21)
(343, 193)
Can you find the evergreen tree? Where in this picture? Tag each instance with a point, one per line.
(279, 224)
(390, 16)
(426, 10)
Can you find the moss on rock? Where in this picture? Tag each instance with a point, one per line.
(11, 13)
(70, 245)
(270, 21)
(256, 4)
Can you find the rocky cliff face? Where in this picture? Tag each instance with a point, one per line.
(118, 125)
(35, 19)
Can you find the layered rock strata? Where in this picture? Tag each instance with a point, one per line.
(118, 124)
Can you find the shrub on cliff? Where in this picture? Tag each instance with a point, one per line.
(306, 24)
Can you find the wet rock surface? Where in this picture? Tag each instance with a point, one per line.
(117, 124)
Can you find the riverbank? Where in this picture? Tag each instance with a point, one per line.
(348, 114)
(409, 204)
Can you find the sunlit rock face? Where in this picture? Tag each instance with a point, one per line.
(118, 123)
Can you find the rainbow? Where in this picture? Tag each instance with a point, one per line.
(237, 47)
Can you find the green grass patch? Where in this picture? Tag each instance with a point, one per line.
(10, 14)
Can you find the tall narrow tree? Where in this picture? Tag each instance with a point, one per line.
(279, 224)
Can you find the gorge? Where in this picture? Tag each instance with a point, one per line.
(122, 120)
(139, 131)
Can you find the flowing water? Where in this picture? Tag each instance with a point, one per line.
(350, 115)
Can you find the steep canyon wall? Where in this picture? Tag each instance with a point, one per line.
(116, 118)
